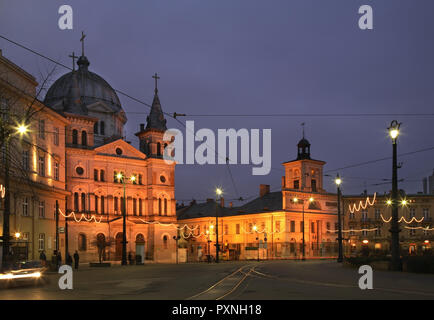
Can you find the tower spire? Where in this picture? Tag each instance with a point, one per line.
(302, 125)
(156, 77)
(82, 43)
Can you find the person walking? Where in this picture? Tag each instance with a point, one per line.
(76, 259)
(59, 259)
(43, 258)
(68, 259)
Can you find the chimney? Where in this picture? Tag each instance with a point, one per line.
(283, 182)
(222, 202)
(264, 189)
(142, 127)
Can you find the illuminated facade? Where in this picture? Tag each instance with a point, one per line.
(366, 223)
(271, 226)
(77, 156)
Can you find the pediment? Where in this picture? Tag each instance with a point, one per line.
(127, 150)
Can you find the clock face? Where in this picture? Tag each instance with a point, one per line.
(118, 151)
(163, 179)
(79, 170)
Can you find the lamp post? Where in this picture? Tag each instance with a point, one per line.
(255, 228)
(6, 134)
(209, 243)
(218, 192)
(295, 200)
(338, 182)
(121, 178)
(176, 238)
(394, 230)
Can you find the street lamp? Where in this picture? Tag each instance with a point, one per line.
(295, 200)
(218, 192)
(209, 243)
(121, 178)
(338, 182)
(394, 230)
(255, 228)
(176, 238)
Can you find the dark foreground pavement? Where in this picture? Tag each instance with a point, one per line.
(270, 280)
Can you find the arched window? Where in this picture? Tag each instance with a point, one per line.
(165, 206)
(165, 242)
(116, 205)
(74, 136)
(84, 138)
(140, 238)
(82, 242)
(135, 206)
(83, 202)
(102, 128)
(159, 206)
(95, 128)
(76, 208)
(140, 207)
(102, 175)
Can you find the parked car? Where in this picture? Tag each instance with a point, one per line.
(23, 274)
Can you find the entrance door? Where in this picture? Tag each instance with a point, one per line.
(118, 249)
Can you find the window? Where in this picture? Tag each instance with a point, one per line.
(158, 149)
(95, 128)
(364, 232)
(226, 229)
(41, 241)
(292, 226)
(115, 176)
(277, 226)
(425, 213)
(56, 171)
(56, 136)
(159, 206)
(26, 207)
(83, 202)
(102, 128)
(140, 207)
(116, 205)
(95, 174)
(140, 179)
(82, 242)
(26, 160)
(301, 226)
(313, 185)
(412, 232)
(378, 232)
(165, 242)
(84, 138)
(76, 208)
(74, 137)
(364, 216)
(328, 227)
(312, 227)
(377, 214)
(250, 227)
(102, 175)
(135, 206)
(42, 129)
(41, 164)
(102, 205)
(237, 228)
(296, 184)
(26, 236)
(41, 209)
(96, 204)
(165, 206)
(412, 212)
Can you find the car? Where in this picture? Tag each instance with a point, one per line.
(24, 273)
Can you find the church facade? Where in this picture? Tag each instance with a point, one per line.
(100, 173)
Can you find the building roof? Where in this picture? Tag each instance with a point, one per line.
(156, 119)
(88, 85)
(270, 202)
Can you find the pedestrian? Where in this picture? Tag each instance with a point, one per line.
(130, 258)
(76, 259)
(43, 258)
(59, 259)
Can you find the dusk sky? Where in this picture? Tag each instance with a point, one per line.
(257, 57)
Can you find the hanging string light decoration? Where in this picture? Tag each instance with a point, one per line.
(357, 207)
(82, 217)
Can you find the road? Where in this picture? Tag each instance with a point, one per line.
(268, 280)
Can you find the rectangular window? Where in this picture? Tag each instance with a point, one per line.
(292, 226)
(301, 226)
(56, 171)
(426, 213)
(412, 212)
(95, 174)
(116, 204)
(102, 205)
(41, 209)
(377, 214)
(226, 229)
(250, 227)
(312, 227)
(134, 206)
(237, 228)
(102, 175)
(313, 185)
(378, 232)
(41, 166)
(328, 227)
(296, 184)
(140, 179)
(25, 207)
(41, 241)
(96, 204)
(42, 129)
(140, 207)
(412, 232)
(277, 226)
(26, 161)
(26, 236)
(56, 136)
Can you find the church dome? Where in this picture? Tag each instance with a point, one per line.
(91, 87)
(303, 143)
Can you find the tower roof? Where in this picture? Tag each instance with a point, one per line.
(155, 119)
